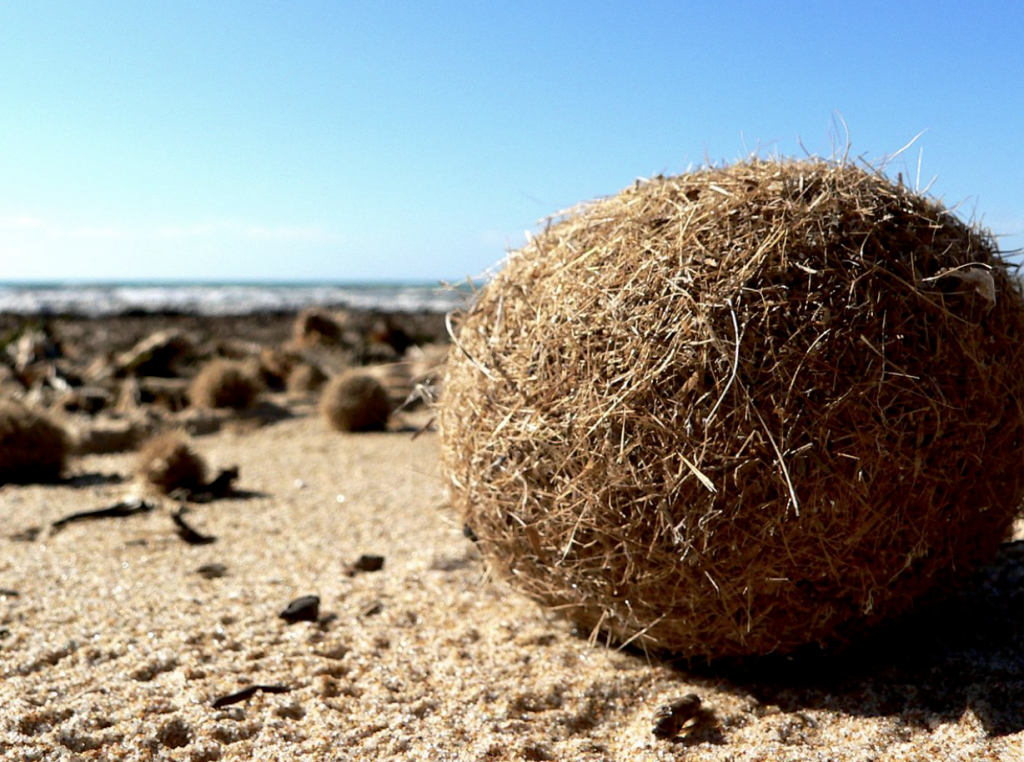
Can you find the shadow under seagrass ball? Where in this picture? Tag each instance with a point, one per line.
(168, 462)
(741, 410)
(355, 401)
(32, 447)
(224, 384)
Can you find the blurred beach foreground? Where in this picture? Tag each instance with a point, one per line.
(155, 631)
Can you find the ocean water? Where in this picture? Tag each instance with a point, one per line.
(98, 299)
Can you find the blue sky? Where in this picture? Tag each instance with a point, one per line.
(418, 141)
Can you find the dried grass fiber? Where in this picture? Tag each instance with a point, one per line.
(741, 410)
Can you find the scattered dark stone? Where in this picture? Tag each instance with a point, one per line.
(304, 609)
(26, 535)
(247, 693)
(212, 571)
(469, 534)
(117, 511)
(366, 563)
(8, 593)
(187, 533)
(4, 633)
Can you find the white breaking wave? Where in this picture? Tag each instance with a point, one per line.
(221, 299)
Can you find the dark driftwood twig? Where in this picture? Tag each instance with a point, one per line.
(117, 511)
(247, 693)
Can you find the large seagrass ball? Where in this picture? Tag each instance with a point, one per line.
(742, 410)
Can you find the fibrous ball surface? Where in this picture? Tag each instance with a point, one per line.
(741, 410)
(223, 384)
(32, 447)
(355, 401)
(168, 462)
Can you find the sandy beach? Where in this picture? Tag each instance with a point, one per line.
(119, 640)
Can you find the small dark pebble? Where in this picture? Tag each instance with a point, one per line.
(4, 633)
(212, 571)
(247, 693)
(368, 563)
(8, 593)
(670, 719)
(187, 533)
(304, 609)
(469, 534)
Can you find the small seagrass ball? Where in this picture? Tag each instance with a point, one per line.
(355, 401)
(168, 462)
(32, 447)
(742, 410)
(224, 384)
